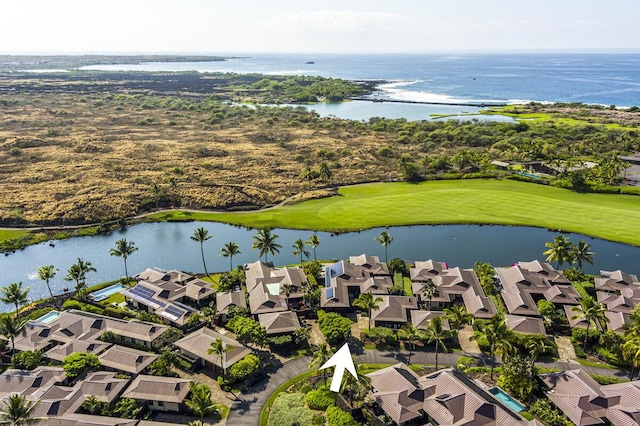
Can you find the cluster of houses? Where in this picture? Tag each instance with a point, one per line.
(75, 331)
(276, 298)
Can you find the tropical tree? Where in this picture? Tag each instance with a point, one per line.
(127, 408)
(165, 364)
(409, 334)
(314, 242)
(200, 401)
(92, 405)
(368, 302)
(430, 291)
(124, 249)
(537, 345)
(299, 247)
(46, 273)
(435, 333)
(17, 411)
(15, 295)
(324, 172)
(592, 312)
(496, 333)
(218, 348)
(229, 250)
(265, 242)
(321, 354)
(11, 327)
(631, 352)
(458, 316)
(78, 273)
(581, 253)
(286, 289)
(360, 386)
(558, 250)
(385, 239)
(201, 235)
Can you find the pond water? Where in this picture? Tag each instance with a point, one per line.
(168, 246)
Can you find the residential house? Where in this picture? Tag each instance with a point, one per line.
(445, 398)
(126, 360)
(619, 292)
(526, 283)
(345, 281)
(159, 393)
(60, 352)
(195, 346)
(276, 323)
(454, 286)
(585, 402)
(26, 382)
(421, 318)
(274, 290)
(393, 311)
(226, 300)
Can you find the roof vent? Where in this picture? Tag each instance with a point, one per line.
(443, 397)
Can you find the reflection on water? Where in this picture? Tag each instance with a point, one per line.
(168, 246)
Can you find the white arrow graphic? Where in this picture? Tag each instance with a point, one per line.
(341, 360)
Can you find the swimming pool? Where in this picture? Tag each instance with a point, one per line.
(506, 399)
(99, 295)
(48, 317)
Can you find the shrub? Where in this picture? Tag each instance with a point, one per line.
(28, 360)
(244, 368)
(381, 334)
(289, 409)
(543, 410)
(87, 307)
(335, 328)
(36, 313)
(579, 334)
(465, 362)
(320, 399)
(115, 312)
(607, 380)
(337, 417)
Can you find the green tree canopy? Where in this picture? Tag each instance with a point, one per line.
(79, 363)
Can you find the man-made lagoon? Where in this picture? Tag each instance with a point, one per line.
(168, 246)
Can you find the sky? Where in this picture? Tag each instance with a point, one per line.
(300, 26)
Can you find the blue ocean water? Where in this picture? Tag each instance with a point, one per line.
(607, 79)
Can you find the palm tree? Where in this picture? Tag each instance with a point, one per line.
(497, 335)
(385, 239)
(78, 273)
(265, 241)
(218, 348)
(321, 354)
(324, 172)
(581, 253)
(558, 250)
(11, 327)
(123, 249)
(17, 411)
(14, 294)
(47, 273)
(631, 352)
(430, 291)
(229, 250)
(537, 345)
(592, 312)
(314, 242)
(367, 301)
(92, 404)
(458, 316)
(435, 333)
(299, 248)
(409, 334)
(201, 235)
(360, 386)
(286, 289)
(200, 402)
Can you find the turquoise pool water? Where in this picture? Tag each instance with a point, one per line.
(99, 295)
(48, 317)
(506, 399)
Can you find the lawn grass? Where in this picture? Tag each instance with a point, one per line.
(8, 234)
(612, 217)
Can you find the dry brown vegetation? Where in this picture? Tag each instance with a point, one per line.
(71, 154)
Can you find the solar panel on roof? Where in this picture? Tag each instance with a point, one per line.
(330, 293)
(173, 311)
(146, 294)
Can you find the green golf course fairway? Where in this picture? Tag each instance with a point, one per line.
(612, 217)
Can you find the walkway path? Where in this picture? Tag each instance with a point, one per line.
(469, 346)
(565, 348)
(245, 410)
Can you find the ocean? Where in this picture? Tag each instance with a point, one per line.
(605, 79)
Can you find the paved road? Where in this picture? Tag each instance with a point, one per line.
(246, 410)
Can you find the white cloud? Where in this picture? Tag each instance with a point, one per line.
(332, 21)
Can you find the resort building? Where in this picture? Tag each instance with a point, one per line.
(454, 286)
(126, 360)
(394, 311)
(226, 300)
(585, 402)
(274, 290)
(445, 398)
(525, 283)
(195, 346)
